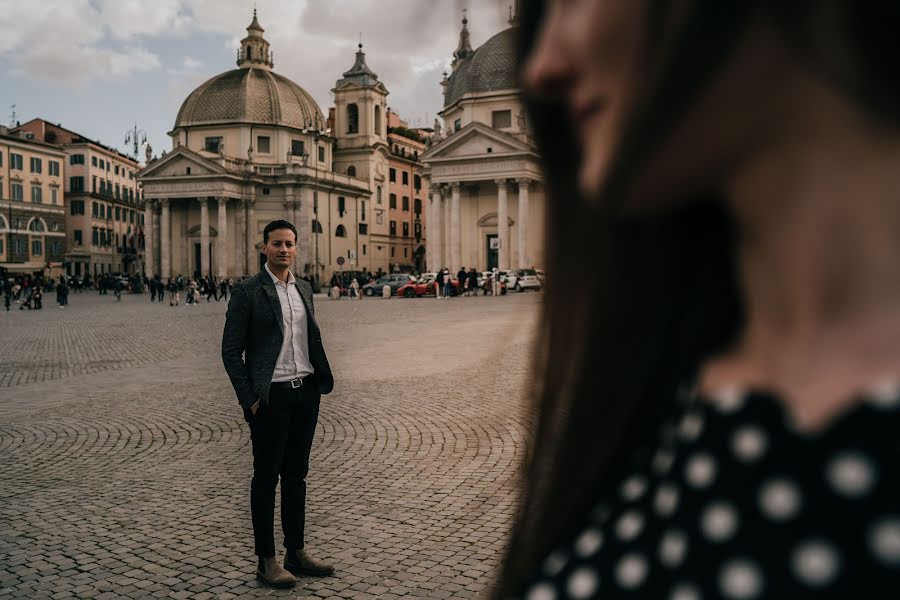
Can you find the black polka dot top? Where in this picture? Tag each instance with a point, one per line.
(733, 502)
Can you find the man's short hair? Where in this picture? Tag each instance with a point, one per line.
(279, 224)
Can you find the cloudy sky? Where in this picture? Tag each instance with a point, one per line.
(100, 66)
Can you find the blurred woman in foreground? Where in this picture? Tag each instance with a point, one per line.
(718, 411)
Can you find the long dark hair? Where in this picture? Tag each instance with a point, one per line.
(655, 296)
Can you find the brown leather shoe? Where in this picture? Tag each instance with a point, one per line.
(270, 573)
(299, 563)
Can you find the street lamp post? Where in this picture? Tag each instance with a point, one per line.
(317, 132)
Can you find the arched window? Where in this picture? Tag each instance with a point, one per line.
(37, 225)
(352, 118)
(351, 171)
(316, 226)
(418, 206)
(377, 120)
(249, 53)
(340, 231)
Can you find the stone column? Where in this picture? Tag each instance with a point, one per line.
(149, 266)
(502, 225)
(239, 244)
(222, 240)
(522, 222)
(437, 210)
(204, 236)
(455, 240)
(252, 260)
(165, 240)
(445, 227)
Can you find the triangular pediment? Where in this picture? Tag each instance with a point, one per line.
(177, 162)
(476, 139)
(353, 85)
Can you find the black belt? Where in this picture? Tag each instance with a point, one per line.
(293, 384)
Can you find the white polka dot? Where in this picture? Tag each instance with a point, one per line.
(554, 563)
(779, 499)
(666, 500)
(700, 470)
(851, 474)
(815, 563)
(633, 488)
(884, 540)
(631, 571)
(588, 543)
(719, 521)
(728, 400)
(542, 591)
(662, 462)
(691, 426)
(629, 525)
(885, 394)
(685, 591)
(749, 443)
(582, 583)
(672, 549)
(740, 579)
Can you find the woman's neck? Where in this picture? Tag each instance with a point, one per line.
(818, 214)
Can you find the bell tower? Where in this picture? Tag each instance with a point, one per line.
(360, 107)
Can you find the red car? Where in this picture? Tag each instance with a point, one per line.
(426, 288)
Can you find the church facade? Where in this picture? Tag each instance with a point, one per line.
(250, 146)
(486, 206)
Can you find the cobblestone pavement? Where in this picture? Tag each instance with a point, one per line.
(125, 462)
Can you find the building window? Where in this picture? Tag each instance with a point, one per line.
(36, 225)
(212, 144)
(35, 164)
(392, 201)
(352, 118)
(37, 248)
(377, 120)
(362, 216)
(95, 237)
(406, 253)
(37, 194)
(316, 226)
(108, 165)
(351, 171)
(342, 206)
(117, 169)
(76, 159)
(76, 207)
(118, 195)
(457, 125)
(1, 246)
(263, 144)
(341, 231)
(378, 195)
(93, 161)
(15, 161)
(102, 211)
(17, 192)
(405, 203)
(393, 251)
(95, 212)
(118, 214)
(393, 228)
(393, 175)
(418, 206)
(364, 249)
(363, 229)
(266, 191)
(102, 164)
(297, 148)
(321, 153)
(1, 159)
(418, 182)
(405, 178)
(53, 196)
(76, 184)
(501, 119)
(78, 237)
(405, 229)
(54, 168)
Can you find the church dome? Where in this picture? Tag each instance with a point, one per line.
(491, 67)
(251, 93)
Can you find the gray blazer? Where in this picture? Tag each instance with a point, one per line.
(253, 335)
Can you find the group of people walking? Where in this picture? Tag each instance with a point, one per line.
(195, 289)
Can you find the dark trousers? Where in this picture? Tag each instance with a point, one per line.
(282, 435)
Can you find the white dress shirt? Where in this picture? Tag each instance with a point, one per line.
(293, 360)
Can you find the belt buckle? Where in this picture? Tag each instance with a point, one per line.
(296, 383)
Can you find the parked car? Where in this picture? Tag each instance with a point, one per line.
(395, 280)
(424, 287)
(523, 279)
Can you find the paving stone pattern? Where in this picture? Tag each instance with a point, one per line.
(125, 462)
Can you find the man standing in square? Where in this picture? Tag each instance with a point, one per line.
(273, 354)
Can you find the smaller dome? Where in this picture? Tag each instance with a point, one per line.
(492, 67)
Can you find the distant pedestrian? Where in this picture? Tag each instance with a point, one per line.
(223, 290)
(173, 292)
(354, 289)
(463, 278)
(495, 282)
(448, 284)
(472, 282)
